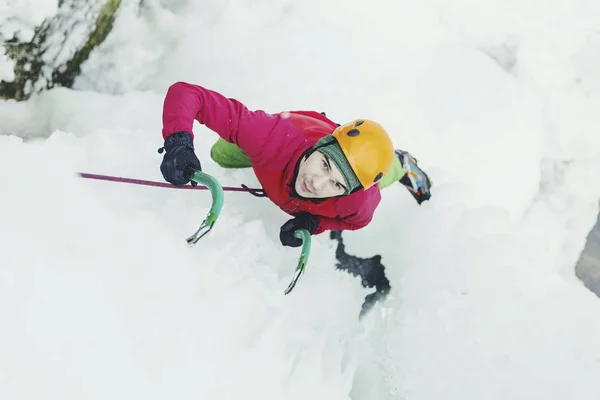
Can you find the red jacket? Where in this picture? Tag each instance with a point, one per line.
(275, 143)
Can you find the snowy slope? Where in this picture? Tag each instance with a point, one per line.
(101, 297)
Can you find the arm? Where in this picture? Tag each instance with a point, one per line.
(363, 204)
(253, 131)
(315, 225)
(350, 223)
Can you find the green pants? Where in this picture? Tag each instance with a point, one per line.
(228, 155)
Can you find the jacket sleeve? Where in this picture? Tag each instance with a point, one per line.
(350, 223)
(364, 207)
(257, 133)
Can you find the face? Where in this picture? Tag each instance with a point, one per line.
(318, 177)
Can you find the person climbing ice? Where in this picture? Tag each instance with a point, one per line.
(327, 176)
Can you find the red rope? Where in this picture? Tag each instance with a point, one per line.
(244, 188)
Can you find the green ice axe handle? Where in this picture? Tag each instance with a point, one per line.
(217, 202)
(305, 236)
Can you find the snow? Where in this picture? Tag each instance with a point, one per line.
(18, 18)
(101, 297)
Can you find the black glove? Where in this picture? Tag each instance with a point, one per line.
(179, 155)
(303, 221)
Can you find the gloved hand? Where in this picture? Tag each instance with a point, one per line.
(303, 221)
(179, 155)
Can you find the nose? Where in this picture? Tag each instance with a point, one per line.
(318, 183)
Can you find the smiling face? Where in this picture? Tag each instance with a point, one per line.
(318, 177)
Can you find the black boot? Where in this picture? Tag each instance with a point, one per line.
(415, 179)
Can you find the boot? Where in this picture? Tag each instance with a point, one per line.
(415, 179)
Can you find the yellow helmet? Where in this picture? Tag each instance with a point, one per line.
(368, 149)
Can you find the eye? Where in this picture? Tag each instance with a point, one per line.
(325, 166)
(338, 185)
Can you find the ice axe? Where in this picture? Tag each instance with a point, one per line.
(216, 192)
(304, 235)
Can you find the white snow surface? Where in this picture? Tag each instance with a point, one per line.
(100, 296)
(18, 19)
